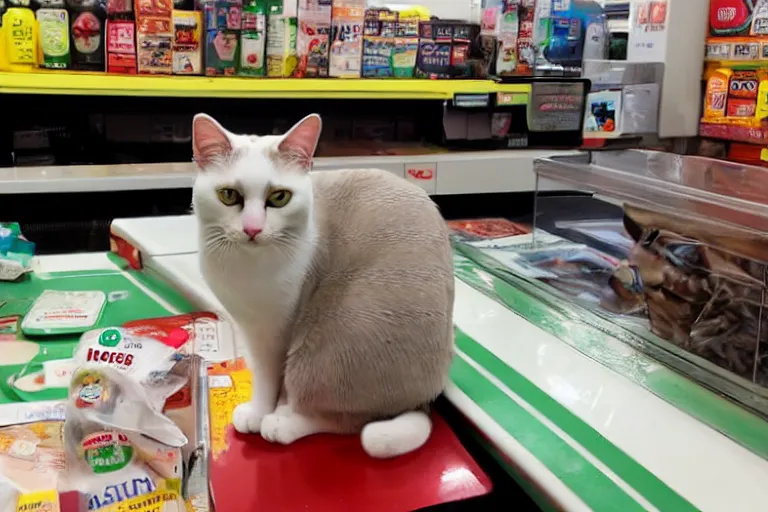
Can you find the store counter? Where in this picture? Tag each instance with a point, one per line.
(581, 420)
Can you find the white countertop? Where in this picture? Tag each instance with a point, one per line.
(607, 436)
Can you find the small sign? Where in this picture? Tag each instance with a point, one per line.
(471, 100)
(423, 175)
(506, 99)
(556, 106)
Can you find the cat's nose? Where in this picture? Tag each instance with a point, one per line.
(251, 232)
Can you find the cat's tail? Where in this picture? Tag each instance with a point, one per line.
(398, 436)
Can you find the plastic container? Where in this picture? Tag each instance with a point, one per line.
(695, 267)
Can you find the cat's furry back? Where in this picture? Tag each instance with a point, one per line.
(346, 296)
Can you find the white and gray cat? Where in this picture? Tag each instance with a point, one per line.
(341, 280)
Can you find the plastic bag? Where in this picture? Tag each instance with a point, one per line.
(122, 451)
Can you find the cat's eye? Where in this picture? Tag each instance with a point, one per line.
(279, 198)
(229, 196)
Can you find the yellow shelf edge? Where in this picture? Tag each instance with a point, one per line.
(93, 84)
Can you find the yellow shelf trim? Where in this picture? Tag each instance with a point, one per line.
(95, 84)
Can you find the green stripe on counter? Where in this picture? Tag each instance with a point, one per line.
(634, 474)
(585, 480)
(719, 413)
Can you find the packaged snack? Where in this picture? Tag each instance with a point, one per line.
(312, 40)
(56, 312)
(54, 38)
(154, 45)
(253, 39)
(347, 38)
(221, 52)
(20, 45)
(133, 353)
(281, 41)
(121, 450)
(187, 43)
(88, 41)
(121, 46)
(379, 43)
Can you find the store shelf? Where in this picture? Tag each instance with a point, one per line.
(99, 84)
(438, 174)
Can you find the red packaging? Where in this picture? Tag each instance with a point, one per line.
(741, 107)
(159, 8)
(729, 17)
(121, 47)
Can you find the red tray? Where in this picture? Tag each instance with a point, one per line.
(325, 473)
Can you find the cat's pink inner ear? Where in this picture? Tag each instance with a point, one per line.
(300, 142)
(209, 140)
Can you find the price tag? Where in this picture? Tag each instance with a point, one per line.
(423, 175)
(556, 106)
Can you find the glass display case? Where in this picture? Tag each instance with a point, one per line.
(668, 253)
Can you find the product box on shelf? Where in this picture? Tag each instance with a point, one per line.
(446, 49)
(379, 43)
(187, 50)
(253, 39)
(406, 50)
(53, 25)
(221, 52)
(87, 50)
(121, 46)
(154, 40)
(674, 260)
(313, 38)
(20, 46)
(281, 38)
(347, 38)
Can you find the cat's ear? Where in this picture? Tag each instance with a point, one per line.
(300, 143)
(210, 141)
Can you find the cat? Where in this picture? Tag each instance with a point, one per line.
(342, 282)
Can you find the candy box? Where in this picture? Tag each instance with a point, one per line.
(221, 52)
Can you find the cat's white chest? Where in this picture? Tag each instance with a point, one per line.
(260, 294)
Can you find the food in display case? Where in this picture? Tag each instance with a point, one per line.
(695, 268)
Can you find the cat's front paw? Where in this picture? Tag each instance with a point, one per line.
(283, 428)
(247, 418)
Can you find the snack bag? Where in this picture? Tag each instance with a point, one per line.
(121, 450)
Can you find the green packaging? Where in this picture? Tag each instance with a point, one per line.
(253, 39)
(221, 52)
(54, 38)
